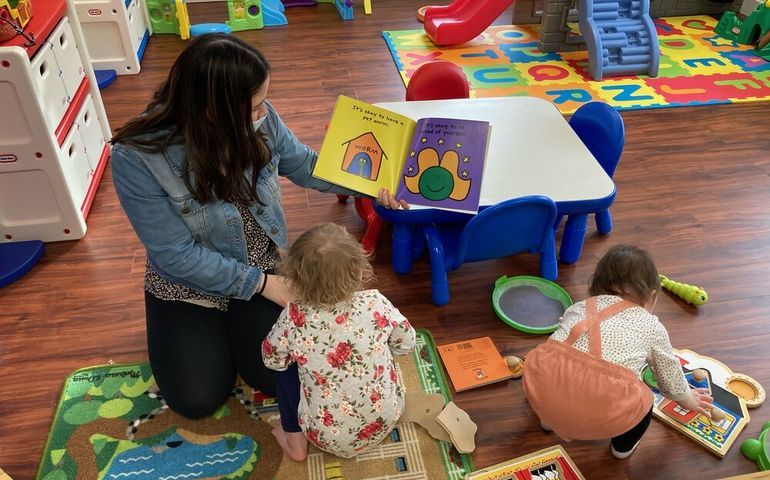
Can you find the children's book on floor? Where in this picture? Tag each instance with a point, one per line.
(473, 363)
(434, 162)
(552, 462)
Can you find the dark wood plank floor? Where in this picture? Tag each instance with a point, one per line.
(693, 188)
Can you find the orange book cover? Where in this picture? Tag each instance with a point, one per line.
(473, 363)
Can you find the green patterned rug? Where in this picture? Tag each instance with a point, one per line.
(112, 423)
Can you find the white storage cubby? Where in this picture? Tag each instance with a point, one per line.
(87, 124)
(74, 165)
(139, 25)
(49, 84)
(65, 50)
(53, 130)
(116, 32)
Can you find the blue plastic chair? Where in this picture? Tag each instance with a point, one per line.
(601, 129)
(518, 225)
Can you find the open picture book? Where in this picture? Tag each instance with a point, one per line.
(434, 162)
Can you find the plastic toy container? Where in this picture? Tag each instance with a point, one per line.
(530, 304)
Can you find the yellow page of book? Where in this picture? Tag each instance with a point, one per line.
(365, 147)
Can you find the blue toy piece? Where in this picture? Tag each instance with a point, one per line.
(18, 258)
(104, 78)
(518, 225)
(345, 7)
(203, 28)
(601, 129)
(273, 13)
(620, 36)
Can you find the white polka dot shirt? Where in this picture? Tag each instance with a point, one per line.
(631, 338)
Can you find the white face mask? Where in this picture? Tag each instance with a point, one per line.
(258, 123)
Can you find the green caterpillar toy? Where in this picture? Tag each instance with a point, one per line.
(689, 293)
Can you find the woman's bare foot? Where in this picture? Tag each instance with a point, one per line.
(293, 443)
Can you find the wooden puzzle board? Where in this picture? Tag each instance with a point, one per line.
(717, 437)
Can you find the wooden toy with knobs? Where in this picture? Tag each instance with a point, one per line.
(732, 392)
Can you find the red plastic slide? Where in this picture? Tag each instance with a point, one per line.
(462, 20)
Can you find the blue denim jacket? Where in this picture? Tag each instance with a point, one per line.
(204, 246)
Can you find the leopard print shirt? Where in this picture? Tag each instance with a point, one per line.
(262, 253)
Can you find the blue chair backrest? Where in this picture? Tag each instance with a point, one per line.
(518, 225)
(601, 129)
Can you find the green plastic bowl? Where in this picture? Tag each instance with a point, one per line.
(549, 292)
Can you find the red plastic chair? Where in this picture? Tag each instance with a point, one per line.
(439, 80)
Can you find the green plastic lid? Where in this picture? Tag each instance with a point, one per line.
(530, 304)
(649, 377)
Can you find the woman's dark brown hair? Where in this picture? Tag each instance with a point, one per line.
(205, 104)
(626, 271)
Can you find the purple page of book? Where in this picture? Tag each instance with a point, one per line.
(445, 164)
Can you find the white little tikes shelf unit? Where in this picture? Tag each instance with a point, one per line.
(116, 32)
(53, 129)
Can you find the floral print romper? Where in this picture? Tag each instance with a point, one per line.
(351, 398)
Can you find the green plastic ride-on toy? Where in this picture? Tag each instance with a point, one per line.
(753, 29)
(759, 449)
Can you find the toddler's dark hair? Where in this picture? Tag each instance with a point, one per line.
(626, 271)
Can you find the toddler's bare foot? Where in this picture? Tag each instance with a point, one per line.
(293, 443)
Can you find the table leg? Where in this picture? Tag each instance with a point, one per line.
(402, 248)
(418, 243)
(572, 239)
(365, 210)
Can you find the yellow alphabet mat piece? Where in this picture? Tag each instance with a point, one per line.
(697, 67)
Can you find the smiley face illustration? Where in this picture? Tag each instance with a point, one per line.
(436, 183)
(437, 179)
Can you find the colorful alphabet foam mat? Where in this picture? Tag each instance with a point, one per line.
(112, 423)
(697, 67)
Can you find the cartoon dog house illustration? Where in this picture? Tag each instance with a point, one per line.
(363, 156)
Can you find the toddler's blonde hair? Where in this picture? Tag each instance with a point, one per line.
(326, 265)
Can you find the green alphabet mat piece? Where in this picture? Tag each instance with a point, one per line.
(111, 422)
(697, 67)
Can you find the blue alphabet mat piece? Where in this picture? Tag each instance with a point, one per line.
(697, 67)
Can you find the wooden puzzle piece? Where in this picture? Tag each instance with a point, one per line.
(717, 415)
(423, 409)
(741, 385)
(461, 428)
(516, 365)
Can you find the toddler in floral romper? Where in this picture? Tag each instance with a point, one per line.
(342, 340)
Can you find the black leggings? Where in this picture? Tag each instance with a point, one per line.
(196, 352)
(626, 441)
